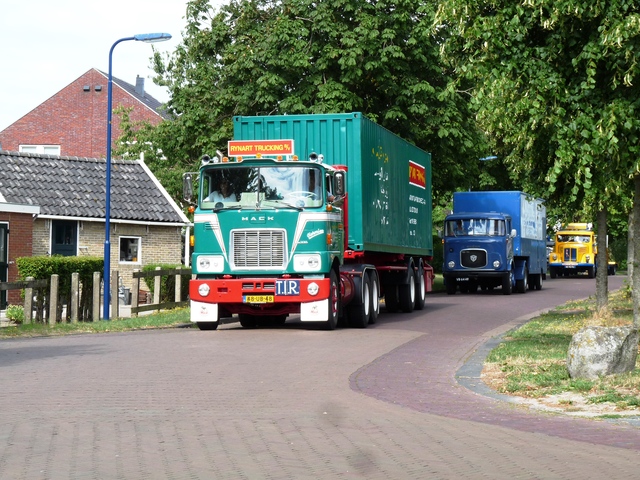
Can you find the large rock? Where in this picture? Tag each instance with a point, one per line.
(599, 351)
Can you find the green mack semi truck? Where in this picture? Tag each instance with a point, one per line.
(316, 215)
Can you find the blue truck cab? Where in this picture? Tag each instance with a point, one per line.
(494, 239)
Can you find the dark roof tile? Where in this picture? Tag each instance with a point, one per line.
(75, 187)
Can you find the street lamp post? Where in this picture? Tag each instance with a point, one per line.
(148, 38)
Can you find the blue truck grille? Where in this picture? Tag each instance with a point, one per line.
(259, 248)
(473, 258)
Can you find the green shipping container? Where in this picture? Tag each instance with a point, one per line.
(388, 179)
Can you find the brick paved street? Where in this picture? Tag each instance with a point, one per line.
(294, 403)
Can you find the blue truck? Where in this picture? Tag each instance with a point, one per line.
(495, 239)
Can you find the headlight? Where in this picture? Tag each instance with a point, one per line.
(451, 264)
(210, 263)
(554, 256)
(496, 264)
(203, 289)
(588, 257)
(313, 289)
(306, 263)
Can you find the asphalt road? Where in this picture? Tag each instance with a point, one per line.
(296, 402)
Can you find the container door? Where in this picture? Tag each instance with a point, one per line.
(4, 264)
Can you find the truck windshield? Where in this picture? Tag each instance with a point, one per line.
(268, 186)
(475, 226)
(560, 238)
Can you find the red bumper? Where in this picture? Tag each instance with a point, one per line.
(265, 293)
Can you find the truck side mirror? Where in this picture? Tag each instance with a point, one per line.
(338, 184)
(514, 233)
(187, 187)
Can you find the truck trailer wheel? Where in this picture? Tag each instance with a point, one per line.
(391, 299)
(360, 313)
(407, 295)
(375, 298)
(523, 285)
(421, 289)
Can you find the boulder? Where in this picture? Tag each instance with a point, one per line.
(600, 351)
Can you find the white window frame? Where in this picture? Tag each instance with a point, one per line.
(42, 149)
(138, 240)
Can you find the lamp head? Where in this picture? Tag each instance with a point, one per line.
(152, 37)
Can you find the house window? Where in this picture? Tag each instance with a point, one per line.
(46, 149)
(130, 249)
(64, 238)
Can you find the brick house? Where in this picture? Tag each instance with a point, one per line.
(73, 122)
(56, 205)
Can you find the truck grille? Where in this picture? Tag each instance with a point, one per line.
(473, 258)
(570, 254)
(259, 248)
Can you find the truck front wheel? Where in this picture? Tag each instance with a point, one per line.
(507, 283)
(207, 325)
(334, 302)
(451, 285)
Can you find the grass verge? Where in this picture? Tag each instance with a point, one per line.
(530, 362)
(166, 319)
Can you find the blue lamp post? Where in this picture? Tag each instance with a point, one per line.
(148, 38)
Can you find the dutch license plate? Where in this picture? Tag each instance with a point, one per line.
(257, 299)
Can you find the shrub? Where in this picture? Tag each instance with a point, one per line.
(168, 282)
(15, 313)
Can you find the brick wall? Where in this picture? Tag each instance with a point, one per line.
(75, 119)
(20, 244)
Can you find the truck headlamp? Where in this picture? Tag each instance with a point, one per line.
(588, 257)
(554, 257)
(210, 263)
(203, 290)
(451, 264)
(496, 264)
(313, 289)
(306, 263)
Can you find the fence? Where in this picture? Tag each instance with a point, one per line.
(52, 309)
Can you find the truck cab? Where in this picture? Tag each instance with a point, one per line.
(495, 239)
(478, 251)
(268, 232)
(575, 251)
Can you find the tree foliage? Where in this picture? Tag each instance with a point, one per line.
(261, 57)
(556, 82)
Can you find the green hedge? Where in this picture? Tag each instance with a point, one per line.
(168, 282)
(41, 268)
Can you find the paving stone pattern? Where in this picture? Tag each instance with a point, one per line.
(289, 403)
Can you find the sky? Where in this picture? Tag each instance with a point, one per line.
(47, 44)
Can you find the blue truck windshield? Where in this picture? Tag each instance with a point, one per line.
(268, 186)
(475, 226)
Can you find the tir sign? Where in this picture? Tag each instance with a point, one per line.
(288, 287)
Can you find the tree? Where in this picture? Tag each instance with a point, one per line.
(262, 57)
(554, 82)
